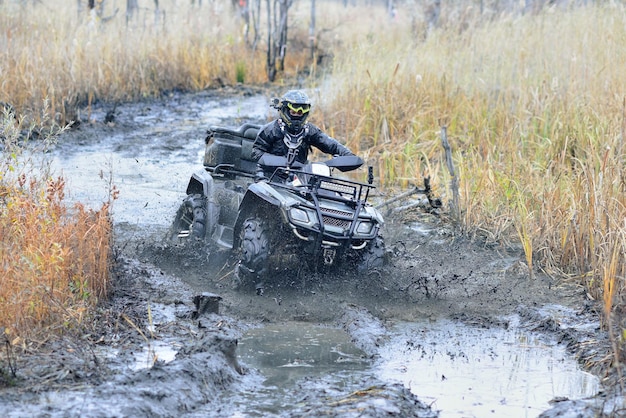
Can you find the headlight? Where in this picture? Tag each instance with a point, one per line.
(320, 169)
(364, 228)
(299, 215)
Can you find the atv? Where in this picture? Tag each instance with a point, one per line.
(274, 215)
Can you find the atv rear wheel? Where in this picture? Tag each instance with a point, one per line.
(191, 218)
(254, 250)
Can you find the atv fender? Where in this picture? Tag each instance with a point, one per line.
(260, 196)
(264, 191)
(201, 182)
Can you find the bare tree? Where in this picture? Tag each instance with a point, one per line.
(390, 8)
(255, 18)
(96, 6)
(271, 59)
(96, 9)
(277, 13)
(131, 9)
(281, 46)
(158, 13)
(432, 15)
(243, 11)
(312, 32)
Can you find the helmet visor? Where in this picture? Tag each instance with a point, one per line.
(298, 109)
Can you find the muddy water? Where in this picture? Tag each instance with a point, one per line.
(287, 354)
(460, 370)
(467, 371)
(150, 164)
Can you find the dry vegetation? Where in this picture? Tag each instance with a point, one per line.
(534, 107)
(54, 259)
(49, 51)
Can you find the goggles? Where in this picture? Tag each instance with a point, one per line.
(298, 109)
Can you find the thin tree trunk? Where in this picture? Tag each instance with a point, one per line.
(277, 13)
(255, 9)
(282, 34)
(271, 59)
(312, 32)
(131, 9)
(157, 13)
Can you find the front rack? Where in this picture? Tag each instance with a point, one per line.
(330, 187)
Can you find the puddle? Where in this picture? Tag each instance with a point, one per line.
(476, 372)
(287, 353)
(460, 370)
(421, 229)
(156, 351)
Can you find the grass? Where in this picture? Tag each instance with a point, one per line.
(535, 110)
(534, 106)
(74, 60)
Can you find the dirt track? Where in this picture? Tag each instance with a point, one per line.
(431, 274)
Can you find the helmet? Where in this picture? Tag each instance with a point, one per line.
(294, 110)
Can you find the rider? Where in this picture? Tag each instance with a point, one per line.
(291, 135)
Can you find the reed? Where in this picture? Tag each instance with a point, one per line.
(55, 257)
(536, 118)
(74, 60)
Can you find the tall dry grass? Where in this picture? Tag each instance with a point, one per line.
(71, 59)
(50, 51)
(535, 110)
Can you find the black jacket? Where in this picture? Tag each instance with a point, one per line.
(270, 140)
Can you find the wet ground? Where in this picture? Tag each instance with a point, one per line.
(448, 328)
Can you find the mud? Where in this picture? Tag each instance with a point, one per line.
(152, 352)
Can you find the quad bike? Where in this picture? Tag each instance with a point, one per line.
(274, 215)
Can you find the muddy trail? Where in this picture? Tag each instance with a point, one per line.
(447, 328)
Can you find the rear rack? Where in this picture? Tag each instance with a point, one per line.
(228, 170)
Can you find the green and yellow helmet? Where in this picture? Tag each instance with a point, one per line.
(294, 110)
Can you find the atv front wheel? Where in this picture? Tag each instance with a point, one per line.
(254, 251)
(373, 256)
(191, 218)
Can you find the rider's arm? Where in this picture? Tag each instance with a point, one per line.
(263, 142)
(325, 143)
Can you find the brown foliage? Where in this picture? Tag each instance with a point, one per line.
(54, 260)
